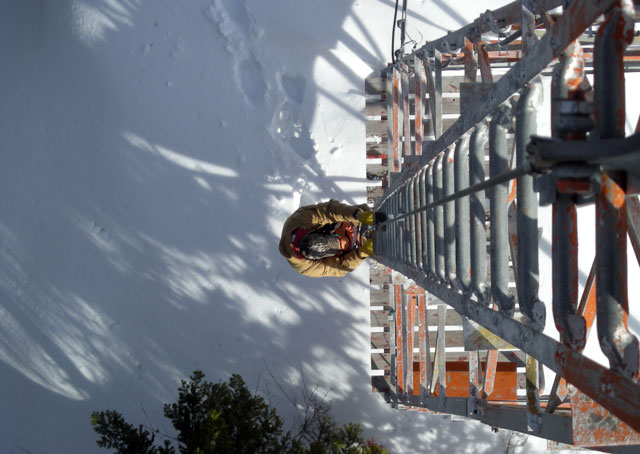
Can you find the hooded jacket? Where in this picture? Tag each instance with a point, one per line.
(311, 218)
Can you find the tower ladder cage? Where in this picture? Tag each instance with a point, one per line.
(454, 159)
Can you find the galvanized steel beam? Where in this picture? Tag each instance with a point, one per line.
(498, 164)
(463, 236)
(478, 234)
(555, 427)
(431, 229)
(567, 123)
(439, 216)
(448, 184)
(527, 213)
(617, 343)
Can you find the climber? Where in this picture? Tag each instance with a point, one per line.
(327, 239)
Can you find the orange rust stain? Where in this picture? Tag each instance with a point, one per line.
(514, 192)
(414, 290)
(490, 368)
(410, 327)
(562, 389)
(621, 34)
(419, 126)
(577, 24)
(575, 375)
(399, 346)
(457, 380)
(422, 336)
(593, 425)
(573, 186)
(416, 379)
(574, 83)
(590, 310)
(396, 158)
(612, 192)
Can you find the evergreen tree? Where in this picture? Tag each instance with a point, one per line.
(225, 418)
(116, 433)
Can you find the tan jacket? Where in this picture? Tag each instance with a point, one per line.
(313, 217)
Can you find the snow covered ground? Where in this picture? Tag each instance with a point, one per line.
(150, 153)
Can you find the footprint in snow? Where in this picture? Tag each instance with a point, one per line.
(294, 87)
(251, 79)
(236, 24)
(287, 124)
(288, 127)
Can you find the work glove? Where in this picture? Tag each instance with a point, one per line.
(366, 217)
(370, 218)
(366, 248)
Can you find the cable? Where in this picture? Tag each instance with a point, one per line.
(402, 23)
(502, 178)
(393, 35)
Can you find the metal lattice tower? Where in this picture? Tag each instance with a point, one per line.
(462, 174)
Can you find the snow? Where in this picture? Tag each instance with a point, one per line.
(151, 151)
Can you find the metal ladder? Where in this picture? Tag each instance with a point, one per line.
(461, 173)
